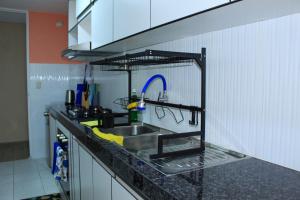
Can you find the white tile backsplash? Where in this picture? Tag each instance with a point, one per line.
(47, 84)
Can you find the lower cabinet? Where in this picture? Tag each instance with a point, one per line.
(74, 169)
(86, 174)
(101, 182)
(52, 138)
(119, 192)
(89, 180)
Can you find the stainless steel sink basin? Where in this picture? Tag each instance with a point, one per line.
(133, 130)
(139, 137)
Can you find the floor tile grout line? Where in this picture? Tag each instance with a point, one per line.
(41, 178)
(35, 164)
(42, 182)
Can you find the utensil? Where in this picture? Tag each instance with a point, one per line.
(79, 94)
(84, 101)
(85, 84)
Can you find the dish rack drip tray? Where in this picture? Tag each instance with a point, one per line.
(211, 156)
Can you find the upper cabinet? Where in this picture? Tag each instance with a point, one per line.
(72, 14)
(130, 17)
(79, 34)
(84, 30)
(81, 5)
(102, 23)
(99, 24)
(163, 11)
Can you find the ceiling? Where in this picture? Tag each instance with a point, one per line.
(56, 6)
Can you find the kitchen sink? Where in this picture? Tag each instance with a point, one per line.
(141, 136)
(134, 130)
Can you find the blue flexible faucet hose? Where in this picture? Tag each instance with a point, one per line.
(152, 79)
(141, 105)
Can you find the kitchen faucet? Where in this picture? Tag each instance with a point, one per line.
(141, 103)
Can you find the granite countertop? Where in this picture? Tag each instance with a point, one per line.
(245, 179)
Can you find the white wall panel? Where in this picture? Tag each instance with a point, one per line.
(252, 88)
(47, 84)
(113, 85)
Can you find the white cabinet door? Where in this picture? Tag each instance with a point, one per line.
(102, 23)
(52, 137)
(86, 174)
(84, 30)
(163, 11)
(101, 182)
(81, 5)
(72, 14)
(70, 172)
(130, 17)
(75, 176)
(119, 192)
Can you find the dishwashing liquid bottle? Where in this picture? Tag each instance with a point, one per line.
(134, 111)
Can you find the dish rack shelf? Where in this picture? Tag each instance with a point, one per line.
(150, 59)
(146, 58)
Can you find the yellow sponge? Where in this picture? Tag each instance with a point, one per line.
(108, 136)
(90, 123)
(132, 105)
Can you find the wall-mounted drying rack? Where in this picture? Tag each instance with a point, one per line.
(147, 58)
(151, 58)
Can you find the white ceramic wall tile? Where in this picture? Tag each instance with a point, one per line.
(113, 85)
(252, 88)
(47, 84)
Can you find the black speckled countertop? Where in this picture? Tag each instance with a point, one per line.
(245, 179)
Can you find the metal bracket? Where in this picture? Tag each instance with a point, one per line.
(160, 146)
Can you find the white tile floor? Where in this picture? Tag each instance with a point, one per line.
(25, 178)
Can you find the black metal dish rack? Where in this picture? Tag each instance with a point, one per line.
(150, 58)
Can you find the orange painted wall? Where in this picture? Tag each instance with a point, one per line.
(46, 41)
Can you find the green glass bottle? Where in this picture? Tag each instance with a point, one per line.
(133, 112)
